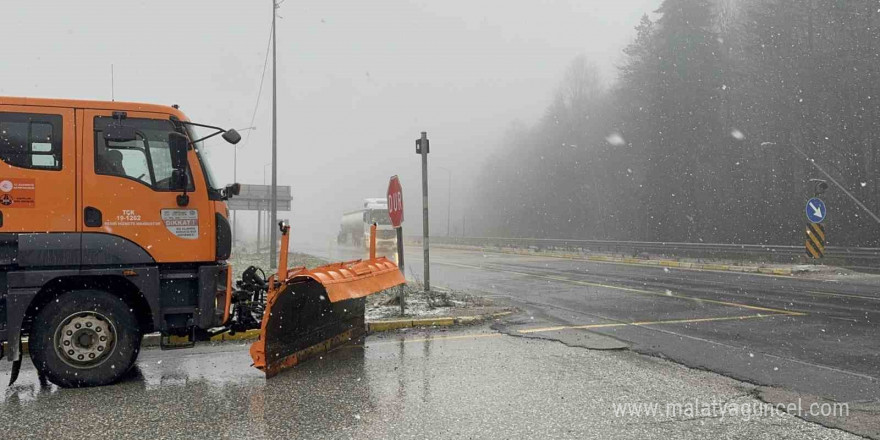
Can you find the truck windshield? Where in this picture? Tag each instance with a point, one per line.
(379, 216)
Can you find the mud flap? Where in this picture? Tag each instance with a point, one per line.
(317, 310)
(16, 365)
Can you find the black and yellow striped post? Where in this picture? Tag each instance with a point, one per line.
(815, 242)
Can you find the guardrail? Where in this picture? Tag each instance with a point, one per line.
(851, 257)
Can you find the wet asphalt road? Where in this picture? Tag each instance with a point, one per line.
(553, 371)
(464, 383)
(815, 338)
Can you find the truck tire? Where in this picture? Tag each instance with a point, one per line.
(85, 338)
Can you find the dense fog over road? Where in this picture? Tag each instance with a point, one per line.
(727, 116)
(357, 81)
(677, 120)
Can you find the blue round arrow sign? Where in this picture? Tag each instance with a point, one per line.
(816, 210)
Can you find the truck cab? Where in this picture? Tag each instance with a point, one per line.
(111, 226)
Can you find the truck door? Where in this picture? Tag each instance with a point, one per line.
(38, 174)
(127, 190)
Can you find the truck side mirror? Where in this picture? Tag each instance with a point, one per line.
(234, 189)
(231, 190)
(178, 145)
(232, 136)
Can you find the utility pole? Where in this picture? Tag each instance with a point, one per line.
(234, 180)
(259, 225)
(422, 147)
(273, 237)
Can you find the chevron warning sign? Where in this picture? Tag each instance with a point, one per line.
(815, 242)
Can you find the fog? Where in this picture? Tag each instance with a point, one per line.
(727, 117)
(357, 82)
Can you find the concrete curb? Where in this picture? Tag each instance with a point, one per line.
(152, 339)
(446, 321)
(664, 262)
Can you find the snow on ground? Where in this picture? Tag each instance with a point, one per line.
(418, 303)
(385, 305)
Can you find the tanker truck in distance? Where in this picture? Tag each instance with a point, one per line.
(354, 229)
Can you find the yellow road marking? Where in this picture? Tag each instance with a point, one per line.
(438, 338)
(642, 323)
(632, 290)
(578, 327)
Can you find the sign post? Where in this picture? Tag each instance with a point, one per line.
(423, 148)
(815, 241)
(395, 211)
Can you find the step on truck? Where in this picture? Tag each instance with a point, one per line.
(112, 227)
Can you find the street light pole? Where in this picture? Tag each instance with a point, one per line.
(448, 197)
(234, 180)
(274, 203)
(834, 181)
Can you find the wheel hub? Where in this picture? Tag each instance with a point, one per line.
(85, 339)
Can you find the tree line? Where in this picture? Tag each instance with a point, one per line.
(711, 132)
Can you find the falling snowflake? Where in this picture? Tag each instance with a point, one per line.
(738, 135)
(615, 139)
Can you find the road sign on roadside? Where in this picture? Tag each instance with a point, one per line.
(815, 243)
(816, 210)
(395, 202)
(395, 211)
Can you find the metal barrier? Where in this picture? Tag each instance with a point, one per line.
(851, 257)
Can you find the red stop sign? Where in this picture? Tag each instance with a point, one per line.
(395, 202)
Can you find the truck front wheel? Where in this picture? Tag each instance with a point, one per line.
(84, 338)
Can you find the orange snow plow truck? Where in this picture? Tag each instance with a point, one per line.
(111, 227)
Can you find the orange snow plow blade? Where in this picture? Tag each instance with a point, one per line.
(311, 311)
